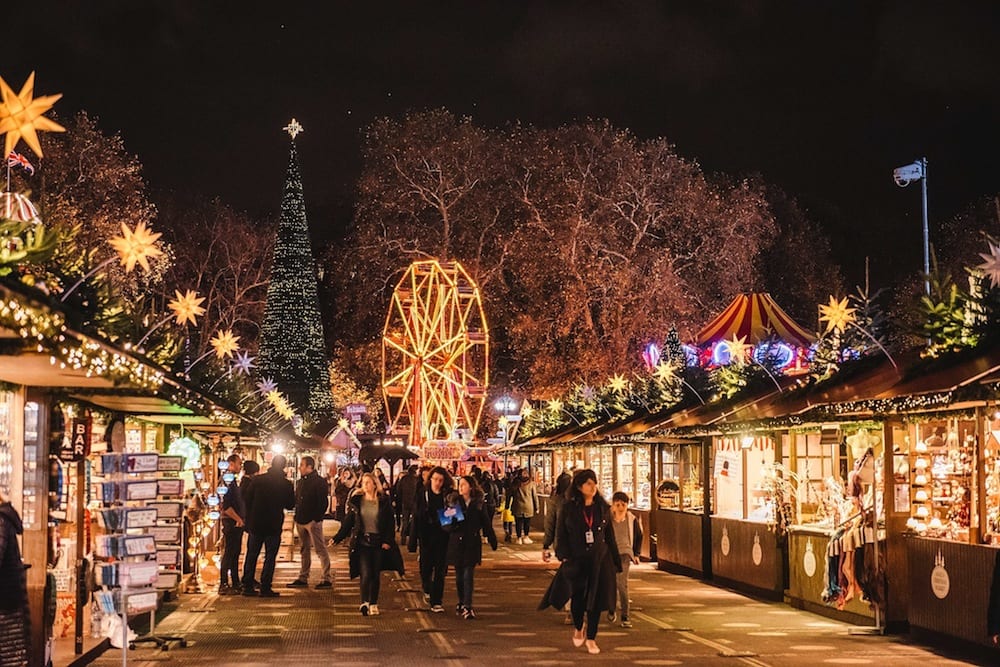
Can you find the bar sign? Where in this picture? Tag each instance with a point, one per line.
(79, 444)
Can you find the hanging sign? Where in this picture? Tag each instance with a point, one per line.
(757, 553)
(940, 581)
(809, 559)
(724, 542)
(78, 447)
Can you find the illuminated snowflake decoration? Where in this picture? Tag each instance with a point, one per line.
(587, 393)
(991, 267)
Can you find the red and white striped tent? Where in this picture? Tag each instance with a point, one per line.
(755, 318)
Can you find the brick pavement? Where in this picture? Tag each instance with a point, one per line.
(678, 621)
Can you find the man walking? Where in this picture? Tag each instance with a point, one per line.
(406, 497)
(266, 499)
(431, 536)
(233, 518)
(312, 494)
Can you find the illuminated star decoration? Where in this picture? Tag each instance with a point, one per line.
(266, 386)
(555, 405)
(587, 393)
(21, 116)
(187, 307)
(136, 247)
(665, 371)
(991, 267)
(738, 349)
(837, 315)
(294, 129)
(243, 363)
(618, 383)
(527, 411)
(225, 344)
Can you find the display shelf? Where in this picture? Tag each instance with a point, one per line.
(941, 466)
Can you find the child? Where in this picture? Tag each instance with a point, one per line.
(628, 535)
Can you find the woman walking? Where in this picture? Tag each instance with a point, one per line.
(585, 543)
(465, 545)
(524, 505)
(373, 549)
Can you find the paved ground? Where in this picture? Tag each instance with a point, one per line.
(678, 621)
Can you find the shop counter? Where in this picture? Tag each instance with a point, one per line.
(807, 571)
(746, 556)
(679, 542)
(950, 587)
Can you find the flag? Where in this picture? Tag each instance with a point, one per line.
(18, 160)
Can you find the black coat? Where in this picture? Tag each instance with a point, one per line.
(593, 566)
(13, 581)
(465, 543)
(266, 500)
(392, 559)
(312, 496)
(426, 526)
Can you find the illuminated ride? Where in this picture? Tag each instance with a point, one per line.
(435, 354)
(758, 325)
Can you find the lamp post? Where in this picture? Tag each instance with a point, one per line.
(903, 176)
(506, 407)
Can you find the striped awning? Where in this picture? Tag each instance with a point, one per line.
(17, 207)
(755, 317)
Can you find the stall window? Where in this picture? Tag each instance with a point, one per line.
(644, 477)
(738, 474)
(7, 447)
(991, 480)
(942, 464)
(813, 464)
(626, 470)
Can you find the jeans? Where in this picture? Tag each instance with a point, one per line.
(229, 566)
(370, 571)
(271, 543)
(621, 579)
(311, 535)
(465, 582)
(433, 565)
(523, 525)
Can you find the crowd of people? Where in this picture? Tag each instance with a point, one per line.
(442, 517)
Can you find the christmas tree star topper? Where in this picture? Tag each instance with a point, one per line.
(21, 116)
(136, 247)
(294, 129)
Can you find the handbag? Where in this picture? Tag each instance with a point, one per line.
(507, 515)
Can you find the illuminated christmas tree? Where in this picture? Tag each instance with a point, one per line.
(292, 348)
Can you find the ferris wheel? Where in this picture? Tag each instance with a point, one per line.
(435, 353)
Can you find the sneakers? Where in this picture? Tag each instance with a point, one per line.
(507, 538)
(527, 540)
(437, 609)
(427, 598)
(324, 584)
(625, 622)
(225, 589)
(459, 609)
(469, 614)
(520, 540)
(365, 609)
(298, 583)
(270, 594)
(373, 610)
(249, 592)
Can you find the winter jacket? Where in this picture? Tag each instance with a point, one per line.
(233, 500)
(312, 495)
(266, 499)
(635, 531)
(524, 500)
(13, 580)
(592, 565)
(406, 491)
(465, 541)
(352, 526)
(426, 526)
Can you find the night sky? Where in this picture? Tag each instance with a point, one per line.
(821, 98)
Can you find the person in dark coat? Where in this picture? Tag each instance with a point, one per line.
(465, 544)
(370, 523)
(406, 497)
(14, 636)
(233, 518)
(342, 490)
(428, 532)
(312, 495)
(266, 500)
(585, 543)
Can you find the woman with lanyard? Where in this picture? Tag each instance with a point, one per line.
(585, 543)
(373, 549)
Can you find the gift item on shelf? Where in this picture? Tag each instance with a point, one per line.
(941, 468)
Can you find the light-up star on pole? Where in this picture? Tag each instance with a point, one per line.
(991, 265)
(837, 315)
(21, 116)
(187, 307)
(738, 349)
(136, 247)
(266, 386)
(665, 371)
(618, 383)
(225, 344)
(244, 362)
(294, 129)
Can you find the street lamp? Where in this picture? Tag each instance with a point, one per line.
(509, 410)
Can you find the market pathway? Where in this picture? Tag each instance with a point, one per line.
(677, 621)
